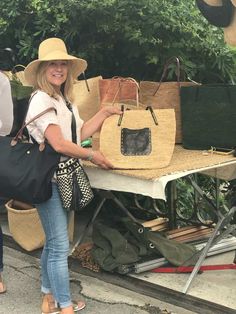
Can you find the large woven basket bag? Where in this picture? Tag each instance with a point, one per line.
(25, 225)
(165, 94)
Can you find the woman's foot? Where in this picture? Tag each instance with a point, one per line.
(2, 286)
(49, 306)
(77, 306)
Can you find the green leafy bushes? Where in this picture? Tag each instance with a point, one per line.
(121, 37)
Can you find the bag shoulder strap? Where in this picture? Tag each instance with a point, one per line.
(20, 132)
(73, 122)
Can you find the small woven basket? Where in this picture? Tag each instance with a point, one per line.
(25, 226)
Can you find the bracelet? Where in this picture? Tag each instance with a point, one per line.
(90, 156)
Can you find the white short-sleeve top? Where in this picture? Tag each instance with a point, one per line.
(61, 116)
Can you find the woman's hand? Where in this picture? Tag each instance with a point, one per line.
(110, 110)
(100, 160)
(94, 124)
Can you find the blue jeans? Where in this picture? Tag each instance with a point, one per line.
(54, 259)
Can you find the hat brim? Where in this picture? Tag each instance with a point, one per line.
(78, 65)
(214, 2)
(233, 2)
(217, 15)
(230, 32)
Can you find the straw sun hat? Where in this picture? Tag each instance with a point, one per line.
(218, 2)
(213, 2)
(217, 12)
(230, 31)
(233, 2)
(53, 49)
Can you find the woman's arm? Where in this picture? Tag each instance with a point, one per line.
(55, 138)
(6, 106)
(94, 124)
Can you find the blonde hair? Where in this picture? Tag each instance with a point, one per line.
(44, 85)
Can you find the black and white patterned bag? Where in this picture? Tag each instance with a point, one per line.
(73, 184)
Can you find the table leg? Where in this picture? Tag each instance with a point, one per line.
(171, 203)
(104, 195)
(89, 224)
(222, 221)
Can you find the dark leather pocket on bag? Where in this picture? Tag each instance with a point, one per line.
(136, 142)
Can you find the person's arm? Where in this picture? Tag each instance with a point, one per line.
(94, 124)
(6, 106)
(55, 138)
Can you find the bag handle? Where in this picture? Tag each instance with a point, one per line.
(14, 69)
(122, 80)
(86, 81)
(13, 73)
(127, 79)
(147, 108)
(20, 132)
(166, 66)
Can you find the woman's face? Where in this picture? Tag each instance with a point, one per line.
(56, 73)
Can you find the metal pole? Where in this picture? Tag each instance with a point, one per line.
(171, 203)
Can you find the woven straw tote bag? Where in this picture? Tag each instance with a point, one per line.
(165, 95)
(138, 142)
(86, 97)
(25, 225)
(117, 91)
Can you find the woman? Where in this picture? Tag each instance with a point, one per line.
(6, 121)
(52, 76)
(6, 105)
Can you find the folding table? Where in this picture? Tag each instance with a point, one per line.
(153, 183)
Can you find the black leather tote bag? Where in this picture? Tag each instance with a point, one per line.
(26, 169)
(208, 116)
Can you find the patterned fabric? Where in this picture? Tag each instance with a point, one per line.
(73, 184)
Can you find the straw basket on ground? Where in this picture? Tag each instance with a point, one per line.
(25, 225)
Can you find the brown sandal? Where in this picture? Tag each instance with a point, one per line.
(78, 306)
(49, 306)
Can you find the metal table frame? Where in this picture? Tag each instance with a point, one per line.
(222, 228)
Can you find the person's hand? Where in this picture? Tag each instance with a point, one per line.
(100, 160)
(110, 110)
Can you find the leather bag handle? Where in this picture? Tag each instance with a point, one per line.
(149, 108)
(166, 66)
(123, 80)
(20, 132)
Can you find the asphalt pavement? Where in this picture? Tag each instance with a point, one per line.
(22, 276)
